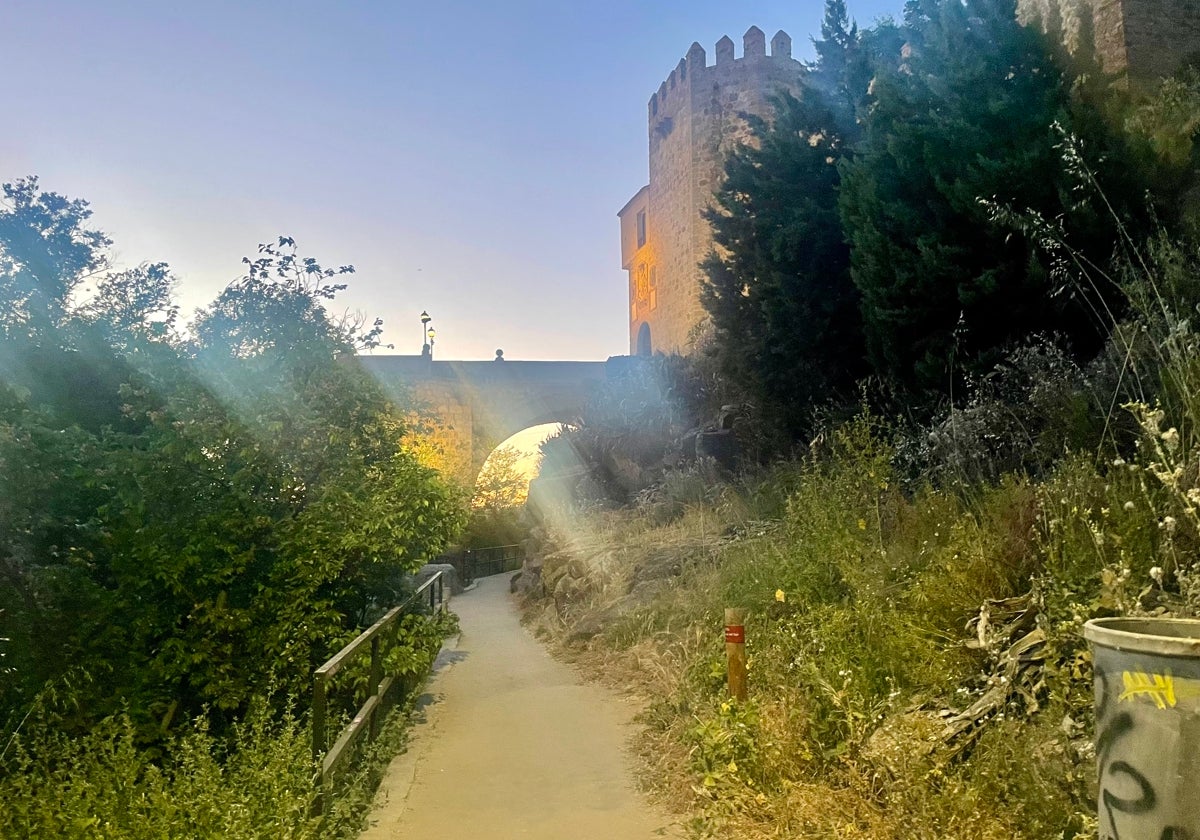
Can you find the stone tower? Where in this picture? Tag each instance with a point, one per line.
(695, 118)
(1141, 39)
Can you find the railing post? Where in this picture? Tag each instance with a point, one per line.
(376, 679)
(441, 593)
(319, 717)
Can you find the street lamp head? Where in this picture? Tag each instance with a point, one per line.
(425, 319)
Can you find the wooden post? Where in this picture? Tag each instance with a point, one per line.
(376, 678)
(735, 651)
(318, 744)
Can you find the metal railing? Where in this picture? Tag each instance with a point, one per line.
(481, 562)
(369, 717)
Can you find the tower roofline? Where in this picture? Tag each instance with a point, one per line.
(696, 63)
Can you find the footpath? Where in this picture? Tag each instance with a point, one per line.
(513, 744)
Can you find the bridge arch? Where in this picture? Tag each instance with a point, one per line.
(519, 452)
(484, 403)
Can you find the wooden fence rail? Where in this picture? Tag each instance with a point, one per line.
(369, 717)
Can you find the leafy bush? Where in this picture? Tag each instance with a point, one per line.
(1022, 417)
(256, 785)
(189, 520)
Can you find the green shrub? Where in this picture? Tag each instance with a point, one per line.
(257, 784)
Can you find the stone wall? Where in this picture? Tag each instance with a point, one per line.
(1145, 39)
(694, 121)
(1160, 35)
(477, 405)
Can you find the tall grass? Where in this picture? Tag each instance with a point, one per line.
(865, 593)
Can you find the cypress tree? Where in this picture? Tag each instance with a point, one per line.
(967, 113)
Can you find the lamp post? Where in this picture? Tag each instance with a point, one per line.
(431, 333)
(425, 319)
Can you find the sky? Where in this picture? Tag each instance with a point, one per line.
(468, 158)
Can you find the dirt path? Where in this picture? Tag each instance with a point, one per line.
(514, 745)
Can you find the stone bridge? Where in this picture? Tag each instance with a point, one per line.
(483, 403)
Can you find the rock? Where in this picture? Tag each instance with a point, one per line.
(567, 592)
(528, 581)
(658, 567)
(450, 578)
(554, 571)
(593, 623)
(585, 629)
(644, 593)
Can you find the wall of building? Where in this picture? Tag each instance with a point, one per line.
(694, 119)
(637, 258)
(1145, 39)
(1160, 35)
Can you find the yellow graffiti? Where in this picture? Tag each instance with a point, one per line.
(1158, 687)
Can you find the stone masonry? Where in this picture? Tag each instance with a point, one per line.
(695, 119)
(1141, 39)
(477, 405)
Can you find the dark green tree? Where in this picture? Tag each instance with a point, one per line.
(46, 250)
(784, 311)
(969, 112)
(189, 524)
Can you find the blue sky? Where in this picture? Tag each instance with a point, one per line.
(468, 158)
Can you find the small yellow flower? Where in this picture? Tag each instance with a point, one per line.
(780, 596)
(862, 524)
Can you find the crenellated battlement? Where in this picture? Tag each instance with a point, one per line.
(694, 66)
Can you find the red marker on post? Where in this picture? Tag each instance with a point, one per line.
(735, 651)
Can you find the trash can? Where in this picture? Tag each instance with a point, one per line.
(1147, 727)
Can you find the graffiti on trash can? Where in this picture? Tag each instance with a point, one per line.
(1127, 794)
(1159, 688)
